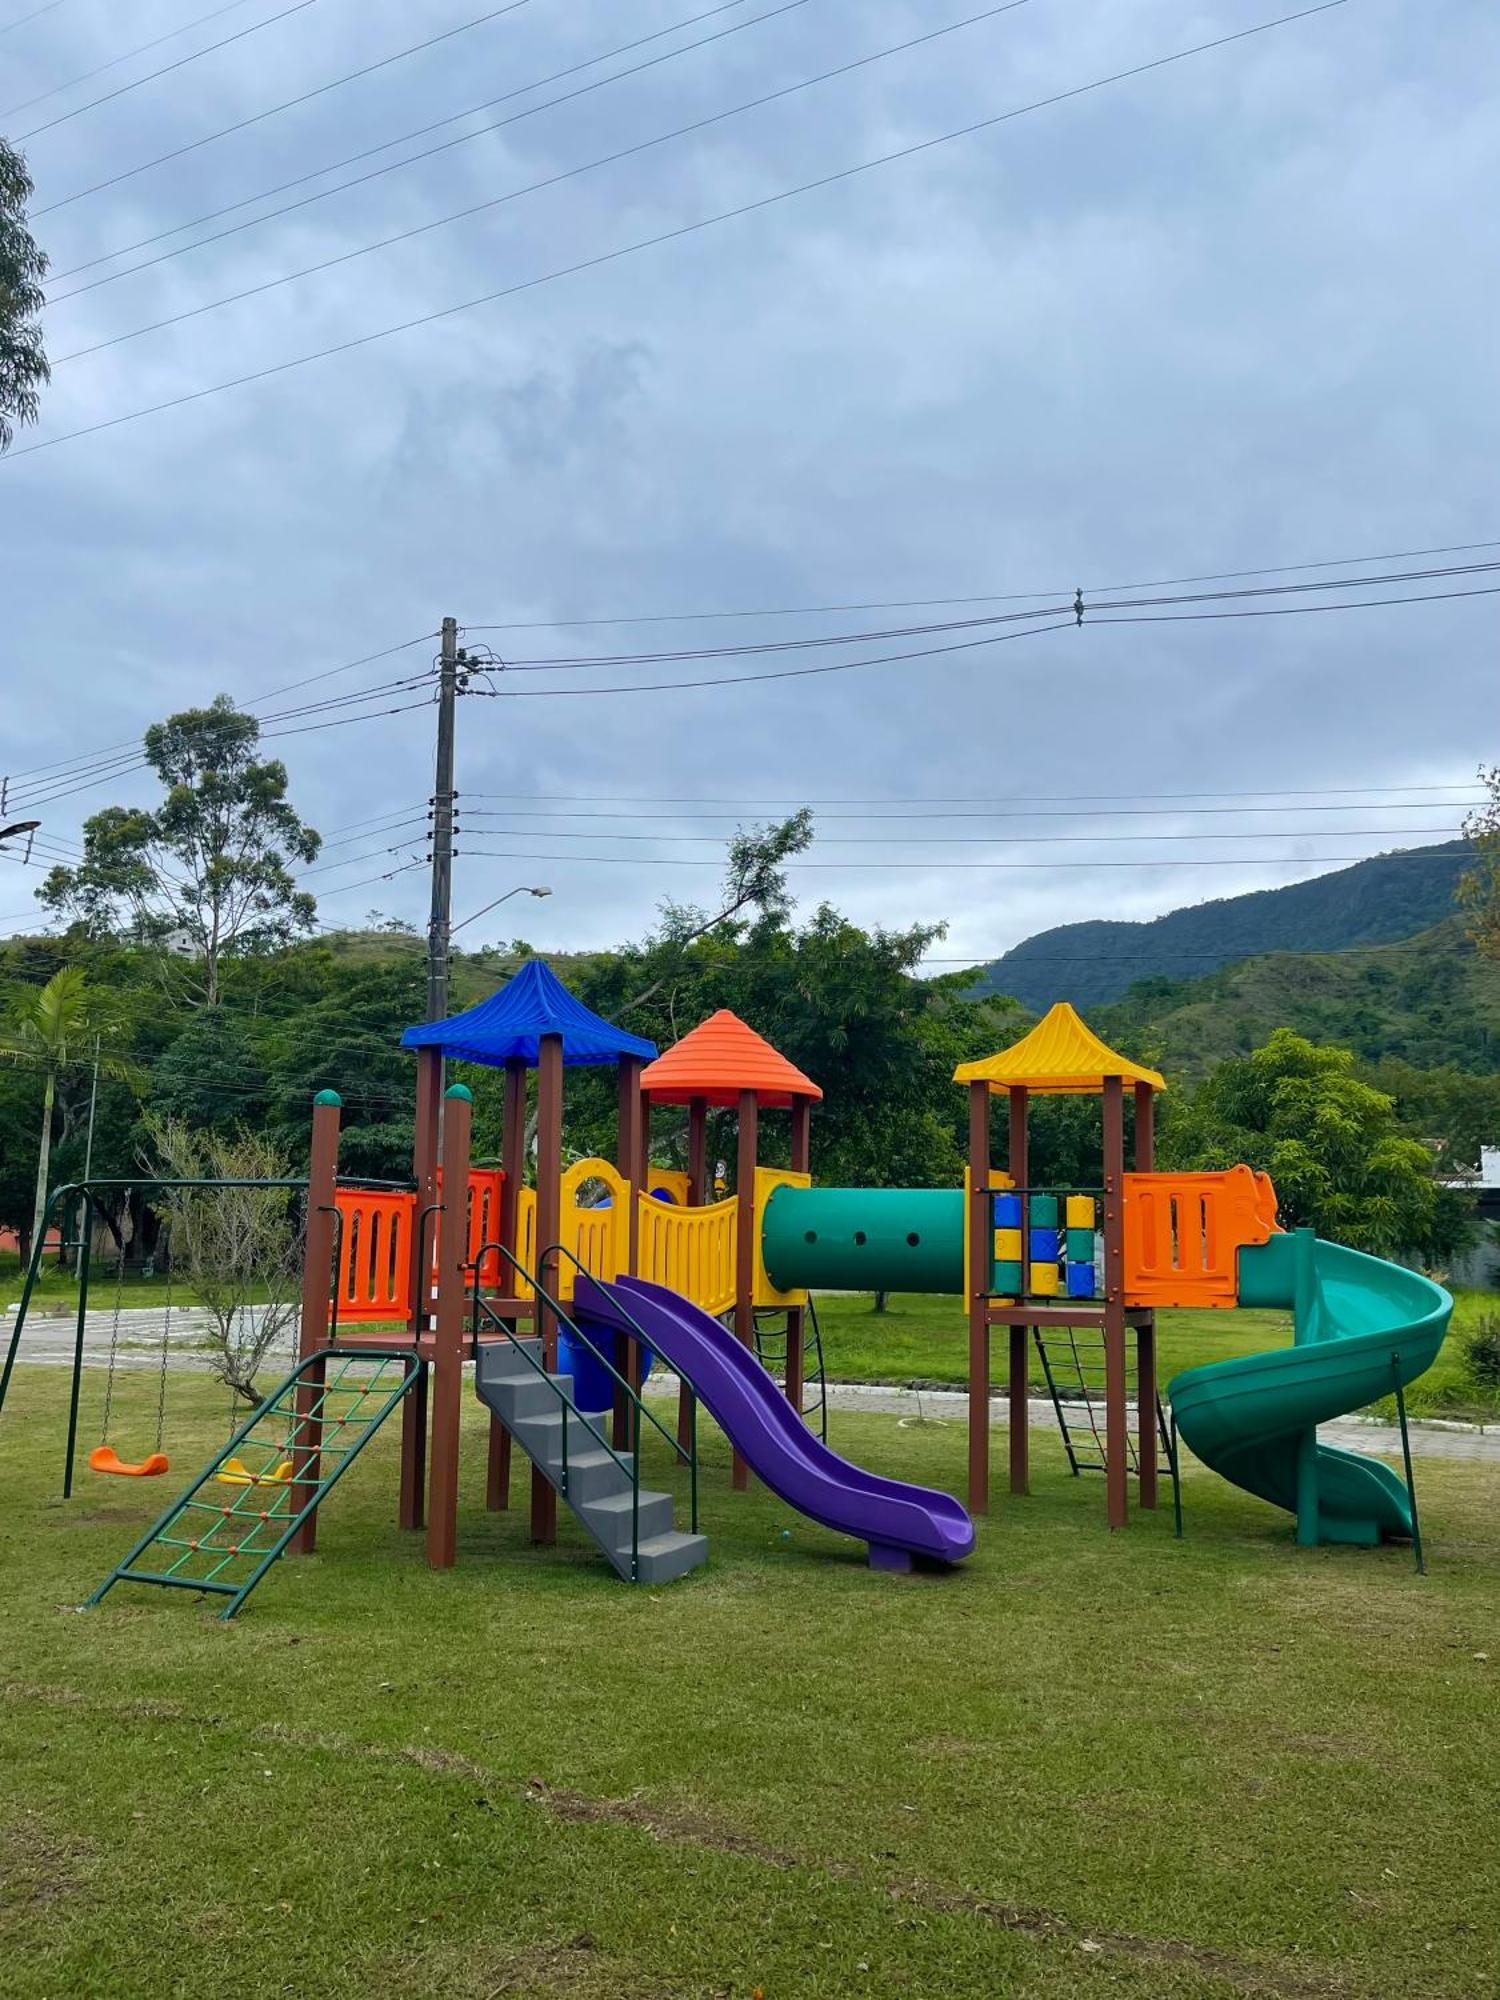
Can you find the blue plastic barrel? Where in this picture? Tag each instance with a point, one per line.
(593, 1385)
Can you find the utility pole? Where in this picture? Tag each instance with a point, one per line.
(439, 922)
(430, 1081)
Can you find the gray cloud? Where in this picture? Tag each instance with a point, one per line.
(1237, 312)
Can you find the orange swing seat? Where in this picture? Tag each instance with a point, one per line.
(104, 1458)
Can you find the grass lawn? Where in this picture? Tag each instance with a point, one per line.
(1079, 1765)
(924, 1338)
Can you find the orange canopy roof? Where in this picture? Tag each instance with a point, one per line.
(1061, 1056)
(720, 1058)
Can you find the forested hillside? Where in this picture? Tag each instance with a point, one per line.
(1429, 1001)
(1374, 902)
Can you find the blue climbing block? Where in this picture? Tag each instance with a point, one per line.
(1080, 1281)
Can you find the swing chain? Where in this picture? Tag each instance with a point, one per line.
(166, 1338)
(114, 1325)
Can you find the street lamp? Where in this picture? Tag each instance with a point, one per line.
(524, 889)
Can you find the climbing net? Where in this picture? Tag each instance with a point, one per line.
(233, 1522)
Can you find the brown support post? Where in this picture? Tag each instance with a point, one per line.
(1018, 1395)
(746, 1154)
(697, 1152)
(627, 1355)
(549, 1103)
(448, 1328)
(1116, 1424)
(424, 1176)
(1145, 1333)
(796, 1318)
(697, 1173)
(980, 1242)
(513, 1166)
(317, 1290)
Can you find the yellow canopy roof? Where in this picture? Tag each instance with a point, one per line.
(1062, 1054)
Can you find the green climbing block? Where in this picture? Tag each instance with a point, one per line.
(1080, 1246)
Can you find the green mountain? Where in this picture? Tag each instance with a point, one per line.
(1378, 901)
(1430, 1001)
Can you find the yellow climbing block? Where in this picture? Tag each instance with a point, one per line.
(1045, 1281)
(1080, 1211)
(1008, 1246)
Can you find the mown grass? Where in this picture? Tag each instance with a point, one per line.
(1078, 1765)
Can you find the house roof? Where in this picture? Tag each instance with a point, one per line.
(1061, 1056)
(720, 1058)
(511, 1023)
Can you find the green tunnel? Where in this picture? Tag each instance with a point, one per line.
(865, 1239)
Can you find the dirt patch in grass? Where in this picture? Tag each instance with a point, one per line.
(661, 1823)
(38, 1865)
(1049, 1924)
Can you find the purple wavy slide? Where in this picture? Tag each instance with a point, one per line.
(898, 1521)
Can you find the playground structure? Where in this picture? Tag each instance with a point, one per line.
(594, 1270)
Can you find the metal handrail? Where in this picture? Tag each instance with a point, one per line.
(688, 1453)
(636, 1328)
(629, 1463)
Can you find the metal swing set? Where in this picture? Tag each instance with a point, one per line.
(87, 1200)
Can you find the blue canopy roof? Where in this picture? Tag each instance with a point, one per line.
(512, 1022)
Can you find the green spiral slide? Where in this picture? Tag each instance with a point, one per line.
(1361, 1326)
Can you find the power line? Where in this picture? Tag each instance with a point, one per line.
(778, 673)
(997, 839)
(676, 234)
(987, 597)
(35, 15)
(115, 61)
(984, 799)
(757, 648)
(421, 131)
(548, 181)
(131, 745)
(287, 104)
(967, 645)
(939, 866)
(1294, 610)
(997, 812)
(297, 7)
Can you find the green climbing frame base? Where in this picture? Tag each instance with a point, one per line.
(224, 1532)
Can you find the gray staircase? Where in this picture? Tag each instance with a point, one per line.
(599, 1482)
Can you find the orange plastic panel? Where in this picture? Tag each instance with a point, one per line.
(1183, 1234)
(374, 1269)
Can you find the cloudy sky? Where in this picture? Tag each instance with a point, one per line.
(1236, 312)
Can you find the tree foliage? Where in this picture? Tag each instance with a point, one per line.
(1479, 891)
(60, 1031)
(23, 360)
(209, 871)
(1329, 1141)
(239, 1248)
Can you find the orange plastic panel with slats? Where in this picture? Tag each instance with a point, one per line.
(374, 1268)
(1184, 1232)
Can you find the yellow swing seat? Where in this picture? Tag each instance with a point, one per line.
(104, 1458)
(234, 1472)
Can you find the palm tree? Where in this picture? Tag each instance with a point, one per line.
(49, 1028)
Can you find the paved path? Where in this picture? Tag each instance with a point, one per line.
(48, 1342)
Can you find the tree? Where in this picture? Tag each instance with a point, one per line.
(23, 361)
(1479, 889)
(209, 871)
(1329, 1141)
(239, 1247)
(59, 1030)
